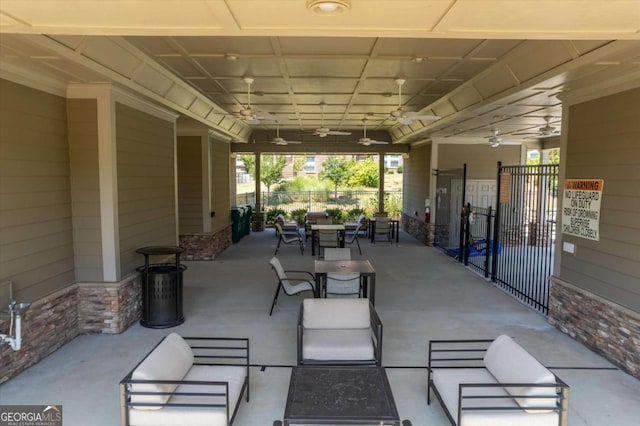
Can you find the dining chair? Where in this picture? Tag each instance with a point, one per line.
(327, 238)
(343, 285)
(291, 282)
(351, 237)
(288, 237)
(383, 228)
(331, 253)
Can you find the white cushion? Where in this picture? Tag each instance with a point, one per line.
(170, 360)
(336, 313)
(333, 345)
(197, 416)
(447, 381)
(508, 362)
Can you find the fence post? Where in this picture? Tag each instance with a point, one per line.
(487, 236)
(462, 236)
(496, 229)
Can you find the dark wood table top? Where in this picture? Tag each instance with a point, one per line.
(327, 394)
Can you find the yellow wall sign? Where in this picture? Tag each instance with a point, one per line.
(581, 208)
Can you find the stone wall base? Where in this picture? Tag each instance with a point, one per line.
(205, 246)
(417, 228)
(601, 325)
(81, 308)
(109, 308)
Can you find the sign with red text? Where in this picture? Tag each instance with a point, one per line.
(581, 208)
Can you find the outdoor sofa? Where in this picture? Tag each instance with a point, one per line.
(187, 381)
(498, 385)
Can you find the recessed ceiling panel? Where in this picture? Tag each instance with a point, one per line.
(493, 49)
(465, 70)
(372, 15)
(181, 66)
(323, 85)
(352, 46)
(125, 15)
(255, 67)
(222, 46)
(495, 82)
(155, 45)
(427, 48)
(316, 98)
(343, 67)
(542, 16)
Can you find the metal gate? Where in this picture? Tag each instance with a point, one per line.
(526, 232)
(450, 186)
(514, 244)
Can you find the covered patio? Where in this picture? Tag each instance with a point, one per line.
(421, 294)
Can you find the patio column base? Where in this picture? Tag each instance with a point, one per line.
(205, 246)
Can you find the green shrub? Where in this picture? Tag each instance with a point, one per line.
(272, 213)
(298, 215)
(354, 213)
(400, 170)
(335, 215)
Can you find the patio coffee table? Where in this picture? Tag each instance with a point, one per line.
(334, 395)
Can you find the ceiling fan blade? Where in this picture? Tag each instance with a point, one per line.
(338, 133)
(425, 117)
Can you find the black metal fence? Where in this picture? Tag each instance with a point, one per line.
(514, 245)
(322, 200)
(526, 232)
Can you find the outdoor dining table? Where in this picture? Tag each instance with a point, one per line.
(340, 229)
(363, 267)
(393, 223)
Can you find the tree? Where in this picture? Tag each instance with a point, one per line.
(271, 170)
(337, 171)
(365, 173)
(249, 161)
(299, 162)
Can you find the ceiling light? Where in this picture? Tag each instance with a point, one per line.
(322, 7)
(231, 57)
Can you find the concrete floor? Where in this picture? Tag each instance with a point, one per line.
(421, 294)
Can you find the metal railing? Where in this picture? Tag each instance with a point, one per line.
(322, 200)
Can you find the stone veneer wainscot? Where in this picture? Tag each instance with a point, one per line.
(82, 308)
(417, 228)
(205, 246)
(604, 327)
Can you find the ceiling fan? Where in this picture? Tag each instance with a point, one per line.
(250, 115)
(402, 115)
(545, 131)
(495, 140)
(364, 140)
(281, 141)
(322, 131)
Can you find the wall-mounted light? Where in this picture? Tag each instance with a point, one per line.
(327, 7)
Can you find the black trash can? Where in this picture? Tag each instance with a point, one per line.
(237, 218)
(161, 288)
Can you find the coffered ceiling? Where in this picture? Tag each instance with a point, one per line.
(476, 64)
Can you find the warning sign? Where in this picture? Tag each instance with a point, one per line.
(581, 208)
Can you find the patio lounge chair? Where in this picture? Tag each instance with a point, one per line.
(339, 332)
(290, 284)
